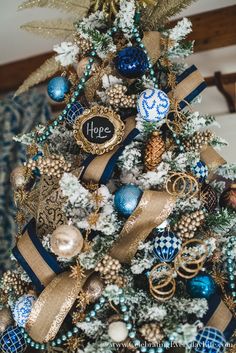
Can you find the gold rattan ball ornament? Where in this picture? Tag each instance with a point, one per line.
(93, 287)
(66, 241)
(83, 64)
(154, 150)
(189, 223)
(5, 319)
(152, 332)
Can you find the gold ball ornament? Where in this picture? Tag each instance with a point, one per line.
(93, 287)
(66, 241)
(82, 66)
(5, 319)
(18, 177)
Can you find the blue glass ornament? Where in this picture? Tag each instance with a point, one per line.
(74, 112)
(131, 62)
(153, 105)
(12, 341)
(209, 340)
(200, 170)
(201, 286)
(166, 246)
(22, 309)
(126, 199)
(58, 87)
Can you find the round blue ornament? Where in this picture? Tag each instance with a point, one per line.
(58, 87)
(201, 286)
(74, 112)
(153, 105)
(127, 198)
(166, 246)
(12, 341)
(200, 170)
(209, 340)
(22, 309)
(131, 62)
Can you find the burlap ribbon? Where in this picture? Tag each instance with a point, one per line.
(99, 169)
(212, 159)
(40, 265)
(153, 208)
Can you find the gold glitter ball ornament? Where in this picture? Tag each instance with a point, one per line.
(5, 319)
(154, 150)
(93, 287)
(66, 241)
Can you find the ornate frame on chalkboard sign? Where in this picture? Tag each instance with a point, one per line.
(93, 147)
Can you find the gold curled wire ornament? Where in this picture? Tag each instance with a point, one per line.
(161, 282)
(182, 184)
(177, 123)
(190, 258)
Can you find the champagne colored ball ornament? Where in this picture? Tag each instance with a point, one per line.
(58, 87)
(209, 340)
(84, 64)
(131, 62)
(12, 341)
(118, 331)
(126, 199)
(228, 198)
(66, 241)
(22, 309)
(201, 286)
(18, 178)
(93, 287)
(5, 319)
(153, 105)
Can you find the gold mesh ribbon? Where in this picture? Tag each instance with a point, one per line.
(212, 159)
(152, 41)
(52, 306)
(153, 208)
(221, 317)
(96, 167)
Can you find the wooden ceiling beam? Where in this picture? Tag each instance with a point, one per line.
(211, 30)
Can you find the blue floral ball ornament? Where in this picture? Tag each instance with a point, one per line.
(12, 341)
(200, 170)
(166, 246)
(153, 105)
(126, 199)
(201, 286)
(209, 340)
(58, 87)
(131, 62)
(74, 112)
(22, 309)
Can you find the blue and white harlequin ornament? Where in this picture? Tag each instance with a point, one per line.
(209, 340)
(22, 309)
(200, 170)
(201, 286)
(74, 112)
(153, 105)
(166, 246)
(127, 198)
(12, 341)
(58, 87)
(131, 62)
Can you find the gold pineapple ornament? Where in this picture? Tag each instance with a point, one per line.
(154, 150)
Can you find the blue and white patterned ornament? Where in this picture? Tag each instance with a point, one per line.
(209, 340)
(22, 309)
(201, 286)
(12, 341)
(74, 112)
(58, 87)
(126, 199)
(131, 62)
(200, 170)
(166, 246)
(153, 105)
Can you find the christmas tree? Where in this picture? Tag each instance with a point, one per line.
(126, 213)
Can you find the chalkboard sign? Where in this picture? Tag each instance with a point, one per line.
(98, 130)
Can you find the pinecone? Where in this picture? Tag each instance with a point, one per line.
(109, 269)
(154, 151)
(152, 333)
(12, 283)
(198, 140)
(84, 45)
(189, 223)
